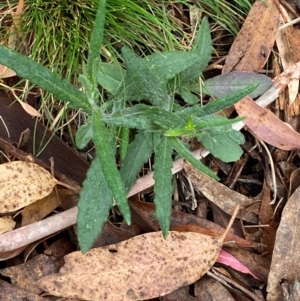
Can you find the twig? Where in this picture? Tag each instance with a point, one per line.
(225, 280)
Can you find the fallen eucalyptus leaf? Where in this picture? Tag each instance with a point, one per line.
(267, 126)
(23, 183)
(144, 267)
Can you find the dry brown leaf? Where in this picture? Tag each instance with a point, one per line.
(29, 109)
(25, 275)
(286, 255)
(6, 224)
(144, 267)
(286, 41)
(40, 209)
(219, 194)
(183, 222)
(267, 126)
(22, 183)
(6, 72)
(252, 46)
(210, 289)
(9, 292)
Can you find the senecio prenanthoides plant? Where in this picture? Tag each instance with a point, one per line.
(159, 122)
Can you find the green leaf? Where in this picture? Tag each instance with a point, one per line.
(109, 167)
(187, 155)
(224, 85)
(163, 188)
(222, 144)
(188, 97)
(203, 49)
(216, 105)
(131, 117)
(93, 207)
(201, 124)
(96, 39)
(167, 65)
(84, 134)
(110, 77)
(145, 80)
(124, 143)
(159, 116)
(43, 77)
(90, 89)
(140, 150)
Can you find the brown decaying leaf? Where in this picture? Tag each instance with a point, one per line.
(267, 126)
(286, 255)
(252, 47)
(22, 183)
(9, 292)
(286, 41)
(25, 275)
(144, 267)
(219, 194)
(40, 209)
(208, 288)
(183, 222)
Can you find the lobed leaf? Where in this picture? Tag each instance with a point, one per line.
(163, 188)
(93, 207)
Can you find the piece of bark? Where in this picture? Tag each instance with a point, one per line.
(16, 120)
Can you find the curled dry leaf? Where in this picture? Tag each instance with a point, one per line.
(22, 183)
(144, 267)
(267, 126)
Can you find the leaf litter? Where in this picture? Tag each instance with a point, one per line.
(143, 267)
(255, 49)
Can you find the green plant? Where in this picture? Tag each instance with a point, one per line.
(142, 97)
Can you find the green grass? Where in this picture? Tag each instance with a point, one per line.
(58, 31)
